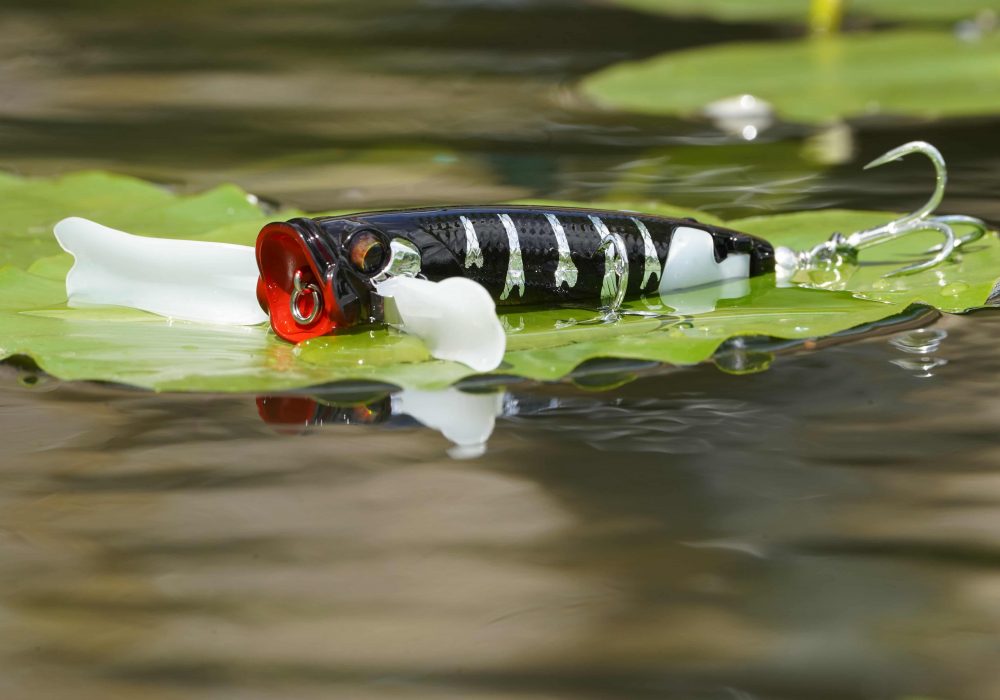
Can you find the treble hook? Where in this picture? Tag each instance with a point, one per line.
(840, 248)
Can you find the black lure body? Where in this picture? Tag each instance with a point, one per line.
(522, 255)
(442, 236)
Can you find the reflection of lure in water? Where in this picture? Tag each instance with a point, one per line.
(466, 419)
(440, 273)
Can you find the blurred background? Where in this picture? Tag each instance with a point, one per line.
(778, 524)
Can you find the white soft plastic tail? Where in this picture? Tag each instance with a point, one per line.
(456, 318)
(188, 280)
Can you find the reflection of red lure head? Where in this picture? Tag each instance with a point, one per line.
(294, 415)
(315, 275)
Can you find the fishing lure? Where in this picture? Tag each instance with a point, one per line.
(320, 274)
(317, 275)
(440, 273)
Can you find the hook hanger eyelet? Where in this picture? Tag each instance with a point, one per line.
(300, 289)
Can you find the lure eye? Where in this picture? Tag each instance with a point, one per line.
(367, 252)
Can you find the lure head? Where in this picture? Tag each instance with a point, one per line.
(317, 275)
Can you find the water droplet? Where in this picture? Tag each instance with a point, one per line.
(954, 289)
(922, 367)
(919, 342)
(743, 361)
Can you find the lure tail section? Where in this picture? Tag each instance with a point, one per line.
(187, 280)
(691, 262)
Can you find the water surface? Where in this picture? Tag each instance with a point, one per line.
(827, 528)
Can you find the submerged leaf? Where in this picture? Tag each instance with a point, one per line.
(132, 347)
(814, 80)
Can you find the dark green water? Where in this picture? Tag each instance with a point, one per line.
(828, 528)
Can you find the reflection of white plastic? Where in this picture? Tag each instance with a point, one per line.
(456, 318)
(702, 300)
(691, 262)
(189, 280)
(463, 418)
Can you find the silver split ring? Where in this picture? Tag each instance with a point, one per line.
(300, 289)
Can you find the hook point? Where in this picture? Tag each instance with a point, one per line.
(898, 152)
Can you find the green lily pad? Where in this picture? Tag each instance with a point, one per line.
(926, 74)
(798, 10)
(132, 347)
(32, 206)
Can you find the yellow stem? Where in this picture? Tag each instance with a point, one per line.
(825, 16)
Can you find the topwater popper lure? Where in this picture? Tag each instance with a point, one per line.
(439, 273)
(335, 272)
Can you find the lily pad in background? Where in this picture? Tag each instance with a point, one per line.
(132, 347)
(798, 10)
(925, 74)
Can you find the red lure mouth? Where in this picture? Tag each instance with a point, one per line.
(291, 288)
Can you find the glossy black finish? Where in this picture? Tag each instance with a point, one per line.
(441, 237)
